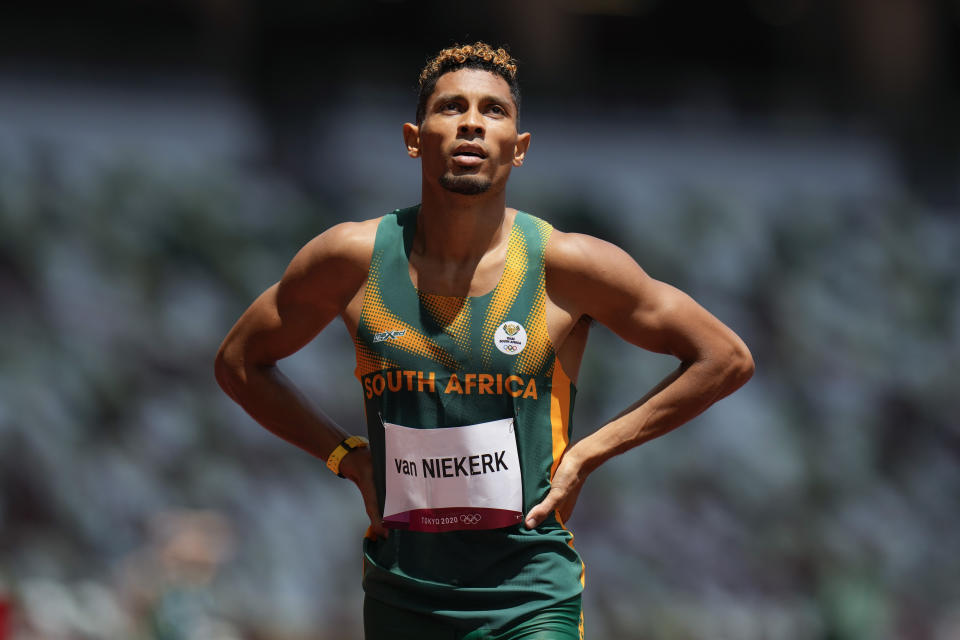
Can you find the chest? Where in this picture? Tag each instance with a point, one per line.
(503, 331)
(399, 321)
(472, 278)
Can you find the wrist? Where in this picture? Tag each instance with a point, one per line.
(352, 465)
(342, 450)
(585, 458)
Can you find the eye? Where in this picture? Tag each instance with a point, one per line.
(450, 106)
(497, 109)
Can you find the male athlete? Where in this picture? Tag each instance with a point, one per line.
(469, 321)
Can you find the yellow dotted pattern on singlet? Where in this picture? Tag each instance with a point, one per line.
(534, 356)
(514, 273)
(369, 361)
(379, 319)
(543, 230)
(452, 313)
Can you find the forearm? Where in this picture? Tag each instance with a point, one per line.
(277, 404)
(685, 393)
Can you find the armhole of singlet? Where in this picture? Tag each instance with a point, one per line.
(366, 281)
(358, 343)
(543, 268)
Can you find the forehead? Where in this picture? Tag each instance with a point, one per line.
(467, 82)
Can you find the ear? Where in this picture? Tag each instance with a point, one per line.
(520, 149)
(411, 137)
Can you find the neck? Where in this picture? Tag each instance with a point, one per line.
(458, 228)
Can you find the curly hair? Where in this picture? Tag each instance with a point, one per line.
(479, 55)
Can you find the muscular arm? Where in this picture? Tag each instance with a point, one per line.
(318, 285)
(589, 277)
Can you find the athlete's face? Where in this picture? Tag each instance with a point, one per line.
(468, 140)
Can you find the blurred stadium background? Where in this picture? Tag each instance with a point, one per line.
(793, 164)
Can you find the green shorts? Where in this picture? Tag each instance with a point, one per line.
(563, 621)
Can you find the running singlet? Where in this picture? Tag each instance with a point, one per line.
(468, 412)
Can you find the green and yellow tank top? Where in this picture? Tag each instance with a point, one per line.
(468, 412)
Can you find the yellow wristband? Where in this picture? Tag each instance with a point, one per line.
(342, 449)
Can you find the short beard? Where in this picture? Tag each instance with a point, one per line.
(465, 185)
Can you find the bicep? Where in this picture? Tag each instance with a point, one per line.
(273, 328)
(659, 317)
(604, 282)
(316, 287)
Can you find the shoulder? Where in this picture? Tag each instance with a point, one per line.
(593, 277)
(347, 242)
(582, 256)
(334, 264)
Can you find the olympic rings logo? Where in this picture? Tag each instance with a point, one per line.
(470, 518)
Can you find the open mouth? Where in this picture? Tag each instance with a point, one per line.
(469, 153)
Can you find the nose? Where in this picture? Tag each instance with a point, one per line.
(471, 124)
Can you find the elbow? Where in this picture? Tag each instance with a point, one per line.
(236, 370)
(740, 366)
(224, 370)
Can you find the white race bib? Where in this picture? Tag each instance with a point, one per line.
(452, 478)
